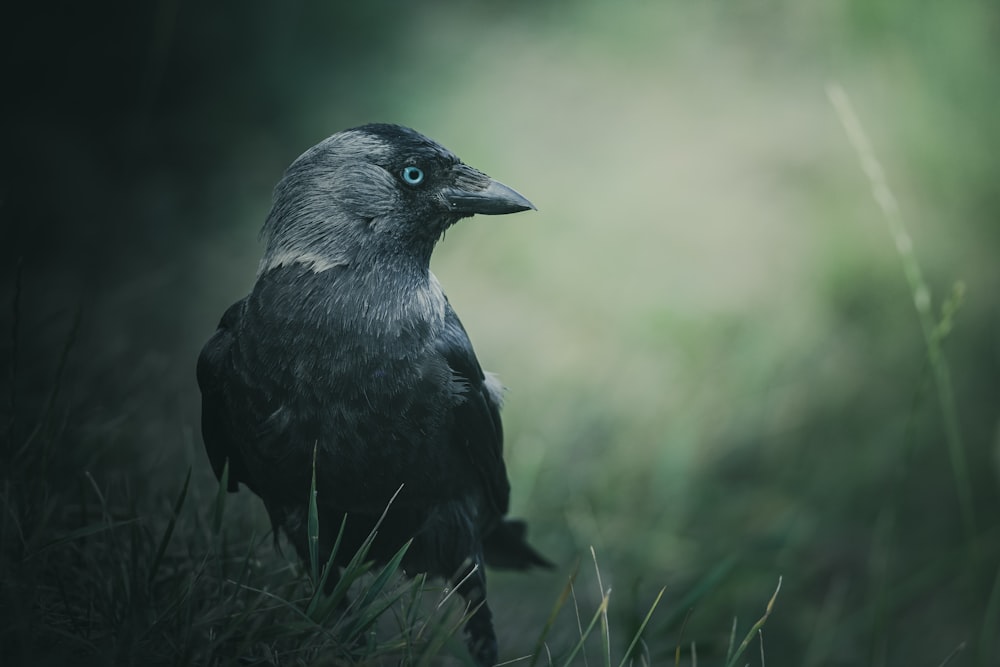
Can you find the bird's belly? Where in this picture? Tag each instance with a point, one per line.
(371, 439)
(373, 452)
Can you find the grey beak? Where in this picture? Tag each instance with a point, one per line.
(495, 199)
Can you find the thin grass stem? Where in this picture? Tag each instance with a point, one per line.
(889, 206)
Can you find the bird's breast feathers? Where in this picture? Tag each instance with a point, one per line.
(336, 331)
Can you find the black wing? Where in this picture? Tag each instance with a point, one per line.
(477, 431)
(214, 372)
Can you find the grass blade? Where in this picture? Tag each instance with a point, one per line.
(369, 610)
(442, 636)
(384, 576)
(602, 609)
(605, 626)
(312, 523)
(704, 586)
(560, 603)
(356, 568)
(731, 660)
(642, 627)
(320, 605)
(79, 533)
(990, 626)
(732, 642)
(169, 532)
(921, 300)
(680, 636)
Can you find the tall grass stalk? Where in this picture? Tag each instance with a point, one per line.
(551, 620)
(602, 610)
(680, 636)
(605, 627)
(642, 628)
(921, 299)
(732, 656)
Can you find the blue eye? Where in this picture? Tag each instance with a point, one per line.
(413, 175)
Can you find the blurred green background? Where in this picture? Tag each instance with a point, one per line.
(716, 369)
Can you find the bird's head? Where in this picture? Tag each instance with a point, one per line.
(376, 191)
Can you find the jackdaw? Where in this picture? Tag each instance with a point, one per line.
(347, 347)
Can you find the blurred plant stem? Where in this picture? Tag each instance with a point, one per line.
(933, 331)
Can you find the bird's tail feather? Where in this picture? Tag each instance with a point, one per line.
(505, 547)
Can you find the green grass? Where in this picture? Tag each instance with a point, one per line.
(112, 582)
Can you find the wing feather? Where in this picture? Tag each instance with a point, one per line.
(214, 379)
(477, 430)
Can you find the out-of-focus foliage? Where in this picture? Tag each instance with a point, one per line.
(713, 357)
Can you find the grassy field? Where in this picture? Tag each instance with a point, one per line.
(729, 364)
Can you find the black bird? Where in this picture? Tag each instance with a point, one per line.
(348, 345)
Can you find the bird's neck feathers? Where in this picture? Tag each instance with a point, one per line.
(302, 235)
(361, 248)
(379, 302)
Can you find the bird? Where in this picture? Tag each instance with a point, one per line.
(347, 361)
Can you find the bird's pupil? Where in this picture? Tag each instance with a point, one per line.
(413, 175)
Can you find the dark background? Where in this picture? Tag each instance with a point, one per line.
(715, 364)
